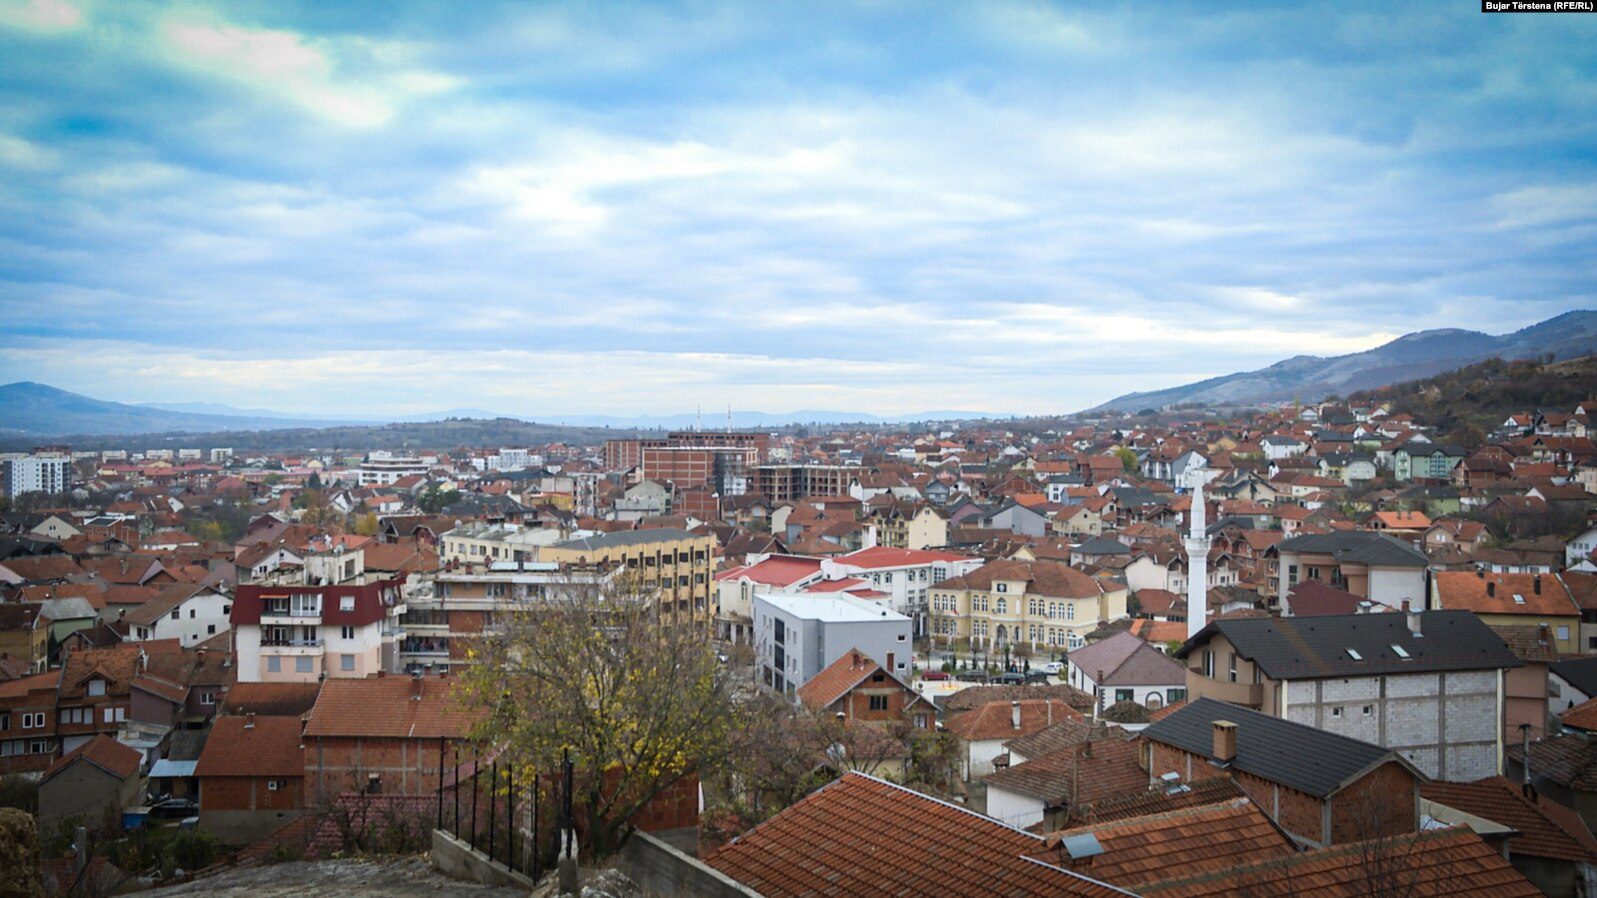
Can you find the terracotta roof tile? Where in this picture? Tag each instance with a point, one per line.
(1448, 863)
(1488, 593)
(995, 720)
(1159, 800)
(834, 842)
(253, 746)
(1191, 841)
(271, 699)
(388, 706)
(103, 752)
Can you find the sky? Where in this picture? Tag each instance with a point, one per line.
(886, 207)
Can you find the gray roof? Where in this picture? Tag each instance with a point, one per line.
(1103, 545)
(1580, 673)
(1292, 754)
(625, 538)
(66, 608)
(1298, 648)
(1357, 547)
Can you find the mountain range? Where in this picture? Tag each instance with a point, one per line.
(1310, 378)
(34, 409)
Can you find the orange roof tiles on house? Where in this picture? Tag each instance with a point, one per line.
(1489, 593)
(1501, 801)
(1193, 841)
(389, 706)
(863, 836)
(271, 699)
(886, 556)
(776, 570)
(1401, 520)
(831, 684)
(253, 746)
(1159, 800)
(1447, 863)
(995, 720)
(103, 752)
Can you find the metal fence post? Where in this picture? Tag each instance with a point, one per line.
(440, 783)
(476, 786)
(493, 787)
(512, 830)
(456, 778)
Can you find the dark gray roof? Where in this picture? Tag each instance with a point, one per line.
(1103, 545)
(1580, 673)
(1297, 648)
(625, 538)
(1292, 754)
(1357, 547)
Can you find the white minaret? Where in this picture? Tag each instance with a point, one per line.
(1197, 543)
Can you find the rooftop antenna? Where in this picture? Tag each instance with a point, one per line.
(729, 417)
(698, 418)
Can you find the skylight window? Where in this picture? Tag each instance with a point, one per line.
(1354, 654)
(1399, 650)
(1519, 599)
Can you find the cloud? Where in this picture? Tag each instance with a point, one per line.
(42, 16)
(285, 65)
(24, 154)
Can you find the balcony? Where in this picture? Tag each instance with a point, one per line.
(1249, 695)
(285, 614)
(291, 646)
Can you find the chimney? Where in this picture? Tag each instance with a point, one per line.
(415, 687)
(1225, 741)
(1544, 634)
(199, 656)
(1491, 588)
(1415, 624)
(1536, 584)
(1014, 714)
(249, 721)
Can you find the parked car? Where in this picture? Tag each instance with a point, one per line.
(1010, 679)
(934, 676)
(1036, 676)
(1054, 668)
(971, 676)
(174, 809)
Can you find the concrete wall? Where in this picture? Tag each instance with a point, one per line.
(659, 869)
(456, 858)
(1013, 808)
(245, 827)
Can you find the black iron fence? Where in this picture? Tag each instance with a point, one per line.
(515, 821)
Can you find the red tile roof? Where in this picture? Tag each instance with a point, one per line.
(1542, 594)
(848, 671)
(1187, 842)
(103, 752)
(995, 720)
(271, 699)
(777, 570)
(388, 706)
(863, 836)
(253, 746)
(1448, 863)
(885, 557)
(1558, 836)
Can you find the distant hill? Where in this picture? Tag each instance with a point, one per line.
(1312, 378)
(42, 410)
(1472, 401)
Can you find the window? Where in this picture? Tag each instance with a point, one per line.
(1002, 607)
(32, 720)
(114, 715)
(274, 664)
(1208, 663)
(1231, 670)
(303, 665)
(97, 687)
(1368, 710)
(1070, 611)
(191, 614)
(347, 632)
(211, 629)
(346, 662)
(878, 703)
(346, 603)
(1336, 712)
(1125, 695)
(1176, 695)
(176, 614)
(207, 698)
(5, 721)
(1563, 633)
(1002, 587)
(902, 637)
(271, 785)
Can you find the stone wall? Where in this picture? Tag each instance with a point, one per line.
(659, 869)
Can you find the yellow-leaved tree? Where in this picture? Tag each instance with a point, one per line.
(591, 667)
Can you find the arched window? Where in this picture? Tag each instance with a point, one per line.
(1002, 607)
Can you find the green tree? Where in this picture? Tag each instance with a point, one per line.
(1128, 458)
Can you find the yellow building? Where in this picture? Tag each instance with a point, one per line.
(677, 563)
(1047, 605)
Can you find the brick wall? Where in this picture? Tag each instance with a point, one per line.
(248, 793)
(335, 765)
(1382, 804)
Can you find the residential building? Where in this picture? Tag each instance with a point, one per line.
(677, 563)
(984, 730)
(446, 612)
(383, 735)
(1124, 668)
(1428, 685)
(798, 636)
(1372, 566)
(90, 785)
(29, 741)
(383, 468)
(906, 575)
(479, 543)
(1322, 788)
(1546, 841)
(1046, 605)
(1047, 789)
(35, 474)
(735, 589)
(252, 776)
(332, 618)
(187, 612)
(1525, 600)
(859, 689)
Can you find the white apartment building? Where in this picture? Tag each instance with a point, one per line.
(36, 474)
(383, 468)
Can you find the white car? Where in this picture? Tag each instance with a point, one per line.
(1053, 668)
